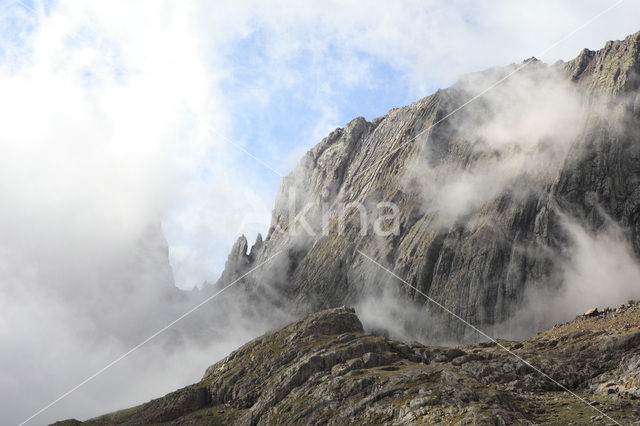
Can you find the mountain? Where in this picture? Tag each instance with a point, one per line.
(326, 370)
(512, 198)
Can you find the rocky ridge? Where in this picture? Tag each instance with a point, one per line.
(326, 370)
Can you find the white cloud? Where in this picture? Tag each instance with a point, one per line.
(432, 42)
(602, 270)
(597, 269)
(103, 124)
(515, 138)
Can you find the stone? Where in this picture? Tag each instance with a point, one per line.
(593, 312)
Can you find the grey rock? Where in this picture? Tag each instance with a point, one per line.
(593, 312)
(336, 380)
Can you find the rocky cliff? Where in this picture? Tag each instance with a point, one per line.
(492, 194)
(326, 370)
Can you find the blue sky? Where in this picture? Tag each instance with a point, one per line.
(287, 118)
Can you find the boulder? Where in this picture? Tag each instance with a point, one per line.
(593, 312)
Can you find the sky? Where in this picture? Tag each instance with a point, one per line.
(125, 116)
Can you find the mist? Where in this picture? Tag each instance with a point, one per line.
(516, 141)
(597, 269)
(515, 138)
(96, 149)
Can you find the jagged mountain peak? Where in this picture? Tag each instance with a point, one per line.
(614, 68)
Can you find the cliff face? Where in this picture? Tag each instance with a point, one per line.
(486, 194)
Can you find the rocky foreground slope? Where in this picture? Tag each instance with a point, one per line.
(326, 370)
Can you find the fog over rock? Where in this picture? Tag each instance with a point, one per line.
(498, 202)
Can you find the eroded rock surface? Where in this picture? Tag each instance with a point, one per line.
(326, 370)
